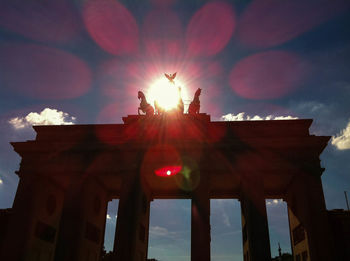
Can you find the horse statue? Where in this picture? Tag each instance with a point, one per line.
(195, 104)
(145, 107)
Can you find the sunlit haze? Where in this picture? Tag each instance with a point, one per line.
(166, 93)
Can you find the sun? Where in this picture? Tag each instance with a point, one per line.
(166, 94)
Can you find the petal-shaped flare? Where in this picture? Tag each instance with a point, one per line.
(53, 21)
(111, 26)
(210, 29)
(43, 72)
(268, 75)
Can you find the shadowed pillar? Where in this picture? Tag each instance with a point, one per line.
(131, 236)
(200, 222)
(34, 222)
(308, 220)
(256, 242)
(83, 221)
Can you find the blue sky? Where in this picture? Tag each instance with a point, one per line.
(83, 61)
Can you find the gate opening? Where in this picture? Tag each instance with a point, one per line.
(111, 222)
(226, 230)
(170, 230)
(277, 215)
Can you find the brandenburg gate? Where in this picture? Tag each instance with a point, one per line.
(69, 173)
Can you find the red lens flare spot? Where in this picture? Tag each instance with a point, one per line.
(162, 160)
(210, 29)
(43, 72)
(268, 23)
(111, 26)
(268, 75)
(168, 171)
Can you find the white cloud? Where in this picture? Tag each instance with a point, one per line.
(284, 117)
(226, 219)
(274, 201)
(18, 123)
(312, 107)
(342, 141)
(1, 182)
(46, 117)
(243, 117)
(110, 218)
(160, 231)
(224, 216)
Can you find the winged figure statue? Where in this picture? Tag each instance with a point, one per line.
(170, 77)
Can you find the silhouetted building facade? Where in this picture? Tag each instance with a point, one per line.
(69, 173)
(5, 216)
(340, 227)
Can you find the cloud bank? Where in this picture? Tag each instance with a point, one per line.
(46, 117)
(342, 140)
(243, 117)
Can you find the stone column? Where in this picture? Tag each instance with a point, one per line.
(34, 223)
(200, 222)
(131, 236)
(308, 220)
(83, 221)
(256, 241)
